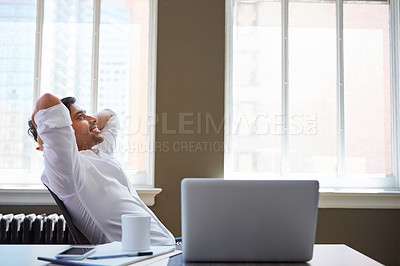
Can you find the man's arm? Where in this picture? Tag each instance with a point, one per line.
(108, 124)
(102, 117)
(63, 167)
(46, 101)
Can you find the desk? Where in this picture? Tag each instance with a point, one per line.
(27, 254)
(327, 255)
(21, 255)
(324, 255)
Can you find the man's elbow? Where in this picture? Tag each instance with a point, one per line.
(47, 100)
(109, 112)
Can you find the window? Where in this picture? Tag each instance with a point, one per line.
(311, 91)
(101, 52)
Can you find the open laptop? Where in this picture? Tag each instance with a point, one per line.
(248, 220)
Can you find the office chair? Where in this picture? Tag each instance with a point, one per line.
(78, 237)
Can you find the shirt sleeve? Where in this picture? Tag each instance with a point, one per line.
(110, 134)
(61, 156)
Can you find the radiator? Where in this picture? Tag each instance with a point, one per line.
(34, 229)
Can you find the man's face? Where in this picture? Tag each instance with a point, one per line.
(86, 132)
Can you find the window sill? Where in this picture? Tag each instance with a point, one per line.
(359, 199)
(351, 199)
(37, 195)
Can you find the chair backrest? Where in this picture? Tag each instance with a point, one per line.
(77, 235)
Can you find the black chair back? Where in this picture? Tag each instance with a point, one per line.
(78, 237)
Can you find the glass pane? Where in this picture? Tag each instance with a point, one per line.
(123, 77)
(367, 88)
(256, 127)
(312, 87)
(67, 49)
(17, 53)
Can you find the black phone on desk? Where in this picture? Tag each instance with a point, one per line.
(76, 253)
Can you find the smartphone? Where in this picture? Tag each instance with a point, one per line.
(75, 253)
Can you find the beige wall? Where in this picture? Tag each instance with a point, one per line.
(190, 79)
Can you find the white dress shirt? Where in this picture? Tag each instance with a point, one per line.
(93, 186)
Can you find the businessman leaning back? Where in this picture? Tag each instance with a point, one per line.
(81, 170)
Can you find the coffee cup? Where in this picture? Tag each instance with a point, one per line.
(135, 232)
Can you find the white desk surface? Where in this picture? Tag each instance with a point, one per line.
(326, 255)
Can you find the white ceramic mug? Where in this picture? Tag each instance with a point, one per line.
(135, 232)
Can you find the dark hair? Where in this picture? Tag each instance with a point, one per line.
(67, 101)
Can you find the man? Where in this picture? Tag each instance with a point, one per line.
(80, 169)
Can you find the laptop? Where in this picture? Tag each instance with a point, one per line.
(248, 220)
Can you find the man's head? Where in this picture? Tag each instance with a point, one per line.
(87, 134)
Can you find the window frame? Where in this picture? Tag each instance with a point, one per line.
(36, 193)
(332, 196)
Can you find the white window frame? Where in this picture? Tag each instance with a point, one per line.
(37, 194)
(330, 196)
